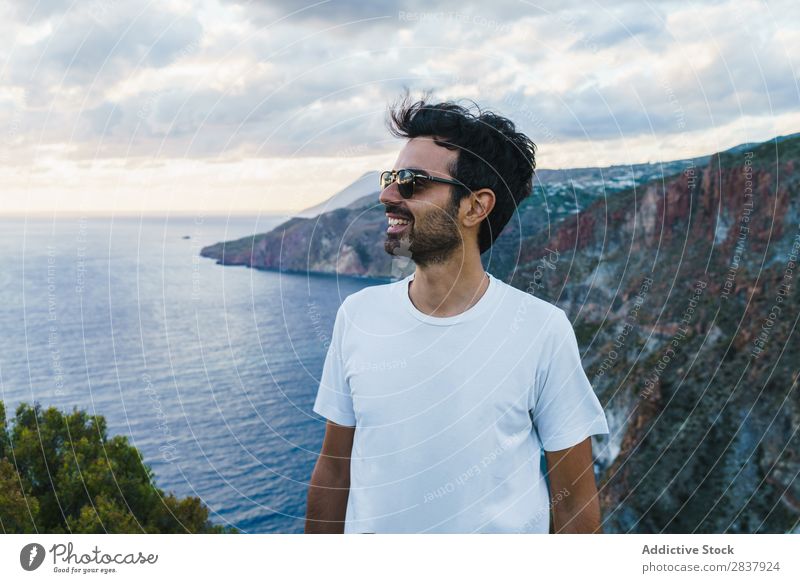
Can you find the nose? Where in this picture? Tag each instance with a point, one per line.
(391, 195)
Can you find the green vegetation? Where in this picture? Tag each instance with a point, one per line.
(765, 155)
(59, 473)
(585, 331)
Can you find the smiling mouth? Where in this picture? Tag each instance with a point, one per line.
(397, 225)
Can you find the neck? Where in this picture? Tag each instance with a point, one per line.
(450, 288)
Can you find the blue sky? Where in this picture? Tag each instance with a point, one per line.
(225, 106)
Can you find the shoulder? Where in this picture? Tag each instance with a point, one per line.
(372, 292)
(372, 297)
(535, 310)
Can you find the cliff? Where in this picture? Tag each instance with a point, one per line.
(684, 295)
(348, 240)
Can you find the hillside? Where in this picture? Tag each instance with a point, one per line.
(684, 295)
(347, 239)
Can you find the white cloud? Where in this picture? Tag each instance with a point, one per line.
(204, 81)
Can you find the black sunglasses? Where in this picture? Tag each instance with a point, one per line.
(407, 180)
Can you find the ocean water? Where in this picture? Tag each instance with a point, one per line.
(210, 371)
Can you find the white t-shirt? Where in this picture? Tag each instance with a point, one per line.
(451, 414)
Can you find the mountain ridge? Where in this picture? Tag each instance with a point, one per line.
(557, 194)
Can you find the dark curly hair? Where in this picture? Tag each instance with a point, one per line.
(492, 154)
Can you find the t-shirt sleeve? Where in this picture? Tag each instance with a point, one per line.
(564, 408)
(333, 400)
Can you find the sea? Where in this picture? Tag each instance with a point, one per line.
(210, 371)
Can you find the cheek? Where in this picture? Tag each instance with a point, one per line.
(416, 211)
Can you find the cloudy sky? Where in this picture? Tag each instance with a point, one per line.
(228, 106)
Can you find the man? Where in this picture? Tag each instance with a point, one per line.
(442, 389)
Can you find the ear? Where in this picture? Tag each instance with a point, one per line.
(481, 202)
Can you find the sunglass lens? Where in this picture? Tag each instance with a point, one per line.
(405, 183)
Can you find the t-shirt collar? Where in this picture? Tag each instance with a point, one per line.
(474, 311)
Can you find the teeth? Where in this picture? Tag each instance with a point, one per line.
(398, 221)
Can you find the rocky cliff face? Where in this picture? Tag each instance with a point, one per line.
(345, 241)
(684, 296)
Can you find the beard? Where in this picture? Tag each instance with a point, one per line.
(432, 239)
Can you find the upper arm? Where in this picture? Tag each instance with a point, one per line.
(564, 408)
(571, 471)
(337, 446)
(334, 400)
